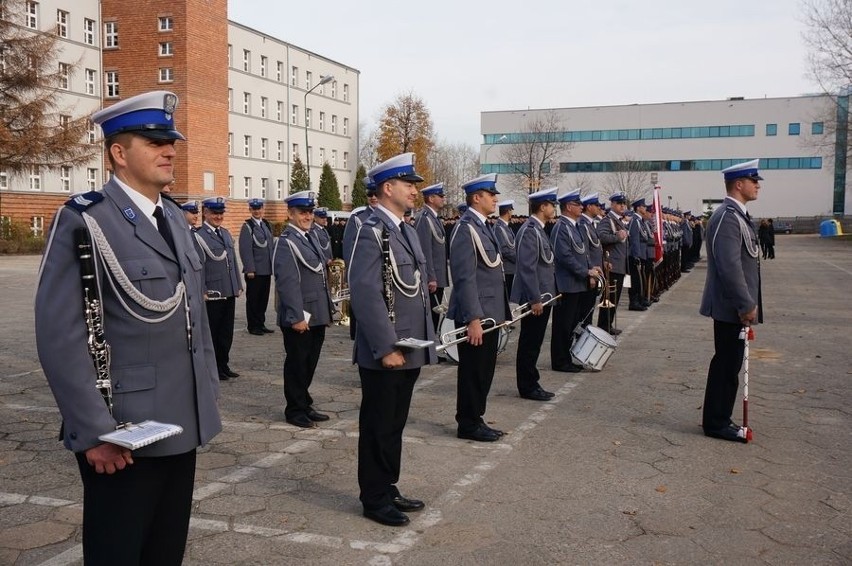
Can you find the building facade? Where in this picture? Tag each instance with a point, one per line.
(242, 105)
(684, 146)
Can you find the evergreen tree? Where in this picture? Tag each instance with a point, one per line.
(359, 188)
(299, 180)
(329, 194)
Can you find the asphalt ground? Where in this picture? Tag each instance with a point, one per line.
(613, 470)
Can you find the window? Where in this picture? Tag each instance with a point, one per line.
(4, 180)
(91, 179)
(91, 133)
(294, 115)
(64, 76)
(334, 89)
(280, 153)
(91, 80)
(110, 35)
(322, 156)
(334, 158)
(230, 143)
(37, 225)
(167, 75)
(793, 128)
(263, 62)
(279, 71)
(35, 179)
(246, 60)
(279, 189)
(817, 128)
(345, 93)
(295, 151)
(307, 117)
(322, 121)
(264, 143)
(346, 160)
(246, 103)
(308, 78)
(65, 178)
(88, 31)
(61, 23)
(246, 146)
(31, 15)
(345, 193)
(246, 186)
(346, 126)
(64, 120)
(166, 23)
(264, 183)
(294, 76)
(231, 185)
(230, 55)
(333, 124)
(771, 129)
(166, 49)
(263, 104)
(230, 99)
(279, 111)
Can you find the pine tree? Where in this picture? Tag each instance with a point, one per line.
(359, 188)
(299, 180)
(329, 194)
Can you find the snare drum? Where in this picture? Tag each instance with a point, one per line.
(447, 325)
(593, 348)
(502, 340)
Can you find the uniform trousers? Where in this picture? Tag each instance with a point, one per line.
(566, 315)
(138, 515)
(586, 306)
(509, 278)
(533, 329)
(385, 400)
(723, 379)
(606, 317)
(436, 299)
(302, 352)
(220, 313)
(257, 299)
(637, 284)
(473, 381)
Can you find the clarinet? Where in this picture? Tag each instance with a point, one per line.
(98, 347)
(387, 275)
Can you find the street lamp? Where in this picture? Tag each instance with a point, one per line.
(323, 80)
(501, 139)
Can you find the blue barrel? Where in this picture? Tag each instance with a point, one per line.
(828, 228)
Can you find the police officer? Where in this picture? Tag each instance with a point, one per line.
(613, 236)
(387, 283)
(478, 294)
(350, 233)
(256, 254)
(304, 307)
(319, 231)
(588, 228)
(190, 212)
(574, 270)
(136, 504)
(430, 231)
(731, 296)
(534, 283)
(223, 285)
(506, 241)
(637, 248)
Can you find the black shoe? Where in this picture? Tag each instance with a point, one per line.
(223, 377)
(496, 431)
(387, 515)
(570, 368)
(256, 332)
(267, 330)
(731, 432)
(480, 434)
(317, 417)
(637, 307)
(646, 303)
(406, 504)
(615, 331)
(301, 421)
(230, 373)
(538, 395)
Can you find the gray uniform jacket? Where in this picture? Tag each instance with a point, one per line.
(158, 371)
(322, 239)
(220, 260)
(590, 234)
(686, 233)
(571, 251)
(350, 232)
(256, 247)
(478, 289)
(535, 271)
(430, 231)
(638, 239)
(376, 334)
(607, 229)
(300, 280)
(732, 287)
(506, 245)
(651, 244)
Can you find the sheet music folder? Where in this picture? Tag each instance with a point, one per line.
(137, 435)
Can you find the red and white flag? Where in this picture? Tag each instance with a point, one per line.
(658, 225)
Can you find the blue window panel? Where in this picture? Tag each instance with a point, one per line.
(793, 129)
(817, 128)
(816, 162)
(676, 133)
(633, 134)
(749, 130)
(622, 135)
(714, 131)
(725, 131)
(674, 166)
(771, 129)
(771, 163)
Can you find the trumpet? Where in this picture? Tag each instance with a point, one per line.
(214, 296)
(525, 309)
(459, 335)
(340, 296)
(607, 289)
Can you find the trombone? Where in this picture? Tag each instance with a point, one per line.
(341, 295)
(603, 283)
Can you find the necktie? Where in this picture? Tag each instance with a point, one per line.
(404, 235)
(163, 228)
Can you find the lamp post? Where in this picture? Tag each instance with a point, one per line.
(487, 149)
(323, 80)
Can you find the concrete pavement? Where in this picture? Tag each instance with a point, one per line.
(614, 470)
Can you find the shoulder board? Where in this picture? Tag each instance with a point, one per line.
(83, 201)
(373, 221)
(248, 221)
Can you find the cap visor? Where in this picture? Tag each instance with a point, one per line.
(159, 134)
(413, 178)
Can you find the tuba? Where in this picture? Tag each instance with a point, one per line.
(339, 291)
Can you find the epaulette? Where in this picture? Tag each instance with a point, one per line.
(83, 201)
(372, 221)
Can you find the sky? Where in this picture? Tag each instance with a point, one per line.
(464, 57)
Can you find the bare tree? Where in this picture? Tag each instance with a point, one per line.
(453, 164)
(828, 36)
(583, 181)
(630, 177)
(534, 158)
(368, 142)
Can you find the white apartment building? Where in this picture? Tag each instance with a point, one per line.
(273, 117)
(686, 145)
